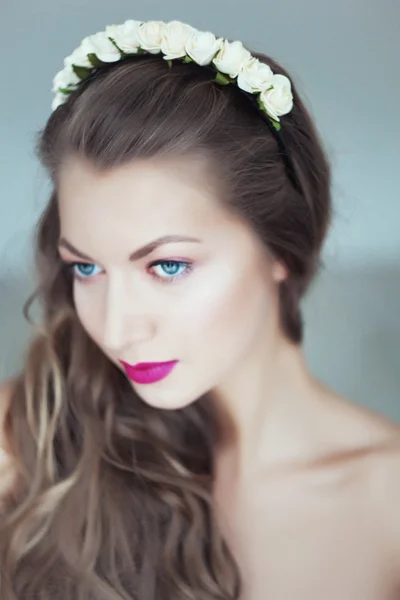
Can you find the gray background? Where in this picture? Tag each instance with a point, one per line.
(344, 56)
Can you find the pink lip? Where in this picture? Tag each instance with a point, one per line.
(148, 372)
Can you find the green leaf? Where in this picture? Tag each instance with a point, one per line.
(187, 59)
(169, 63)
(222, 79)
(81, 72)
(65, 90)
(276, 124)
(96, 62)
(115, 44)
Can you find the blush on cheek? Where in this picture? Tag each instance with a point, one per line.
(89, 316)
(228, 311)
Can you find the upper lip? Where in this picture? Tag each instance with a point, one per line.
(146, 365)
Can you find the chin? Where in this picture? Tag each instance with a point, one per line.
(163, 399)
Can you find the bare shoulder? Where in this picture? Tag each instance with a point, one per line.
(375, 439)
(355, 425)
(384, 485)
(369, 437)
(381, 478)
(385, 482)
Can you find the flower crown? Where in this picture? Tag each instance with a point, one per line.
(231, 61)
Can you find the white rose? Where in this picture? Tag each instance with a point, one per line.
(97, 44)
(202, 46)
(58, 99)
(103, 48)
(65, 78)
(150, 36)
(174, 39)
(125, 36)
(255, 76)
(278, 100)
(231, 58)
(79, 57)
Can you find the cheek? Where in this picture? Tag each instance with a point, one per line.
(228, 312)
(89, 312)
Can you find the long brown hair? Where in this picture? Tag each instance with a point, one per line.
(113, 500)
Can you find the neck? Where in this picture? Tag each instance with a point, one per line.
(267, 407)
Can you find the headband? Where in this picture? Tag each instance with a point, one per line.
(231, 61)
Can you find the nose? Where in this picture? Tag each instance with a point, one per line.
(126, 320)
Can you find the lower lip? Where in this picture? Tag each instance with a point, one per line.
(149, 374)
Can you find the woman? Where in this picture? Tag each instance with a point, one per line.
(191, 198)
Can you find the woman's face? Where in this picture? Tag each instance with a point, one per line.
(203, 301)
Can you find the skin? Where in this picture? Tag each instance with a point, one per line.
(305, 480)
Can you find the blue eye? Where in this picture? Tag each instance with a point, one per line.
(82, 270)
(172, 269)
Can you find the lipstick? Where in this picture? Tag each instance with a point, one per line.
(148, 372)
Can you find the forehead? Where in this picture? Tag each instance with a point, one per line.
(142, 194)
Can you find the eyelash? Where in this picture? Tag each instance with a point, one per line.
(188, 268)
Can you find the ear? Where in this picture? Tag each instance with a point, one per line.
(279, 272)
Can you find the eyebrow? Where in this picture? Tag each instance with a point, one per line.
(137, 254)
